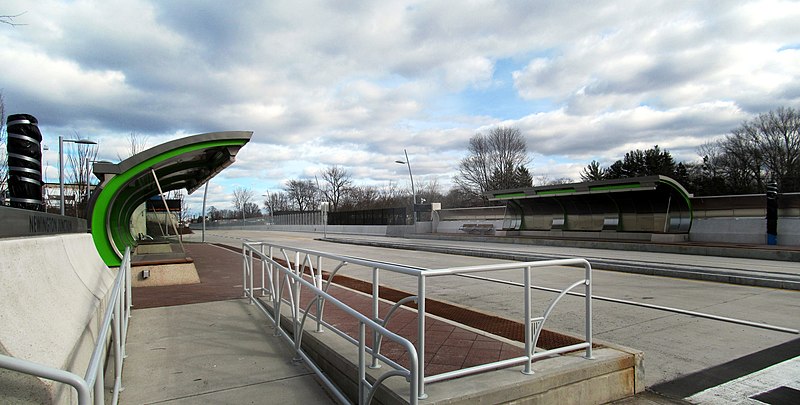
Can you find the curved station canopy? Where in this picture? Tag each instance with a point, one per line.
(183, 163)
(652, 204)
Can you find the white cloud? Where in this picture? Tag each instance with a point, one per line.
(355, 83)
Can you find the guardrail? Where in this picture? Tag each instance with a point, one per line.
(115, 318)
(303, 264)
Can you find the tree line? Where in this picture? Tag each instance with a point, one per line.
(762, 150)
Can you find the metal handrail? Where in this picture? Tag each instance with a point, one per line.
(115, 319)
(533, 325)
(366, 389)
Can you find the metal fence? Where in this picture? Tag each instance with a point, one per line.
(297, 218)
(378, 216)
(304, 271)
(115, 318)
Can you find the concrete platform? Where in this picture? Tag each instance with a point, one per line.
(224, 352)
(218, 352)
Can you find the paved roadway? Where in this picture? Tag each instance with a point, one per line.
(683, 354)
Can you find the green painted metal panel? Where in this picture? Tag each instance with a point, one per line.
(559, 191)
(110, 222)
(510, 195)
(626, 186)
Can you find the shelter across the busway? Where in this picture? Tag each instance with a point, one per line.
(643, 208)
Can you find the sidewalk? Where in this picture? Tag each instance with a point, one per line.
(202, 343)
(218, 352)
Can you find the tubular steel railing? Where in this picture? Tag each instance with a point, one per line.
(302, 265)
(115, 318)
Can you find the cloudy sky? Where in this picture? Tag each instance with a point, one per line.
(353, 83)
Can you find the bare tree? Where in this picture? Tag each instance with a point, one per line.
(213, 213)
(560, 180)
(252, 211)
(429, 191)
(774, 141)
(302, 194)
(276, 202)
(493, 161)
(760, 150)
(457, 197)
(183, 215)
(9, 19)
(78, 172)
(336, 183)
(391, 195)
(360, 197)
(136, 143)
(242, 196)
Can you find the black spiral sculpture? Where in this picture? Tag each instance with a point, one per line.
(24, 162)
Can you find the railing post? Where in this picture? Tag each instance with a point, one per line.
(244, 270)
(277, 292)
(119, 344)
(251, 271)
(421, 336)
(296, 306)
(375, 315)
(526, 281)
(271, 273)
(99, 388)
(263, 269)
(321, 300)
(362, 368)
(588, 295)
(127, 308)
(128, 284)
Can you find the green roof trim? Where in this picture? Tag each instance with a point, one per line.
(625, 186)
(510, 195)
(558, 191)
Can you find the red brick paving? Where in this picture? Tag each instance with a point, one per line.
(220, 272)
(447, 347)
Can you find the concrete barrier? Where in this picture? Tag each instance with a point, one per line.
(53, 292)
(744, 230)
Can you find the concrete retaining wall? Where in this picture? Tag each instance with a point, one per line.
(744, 230)
(53, 292)
(22, 223)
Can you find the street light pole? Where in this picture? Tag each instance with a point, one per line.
(61, 141)
(413, 192)
(61, 173)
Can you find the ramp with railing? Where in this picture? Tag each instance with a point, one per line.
(275, 277)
